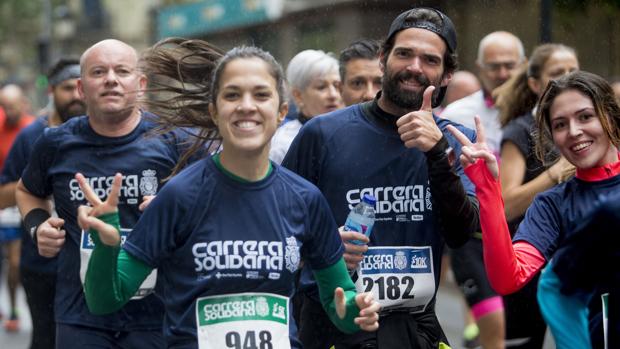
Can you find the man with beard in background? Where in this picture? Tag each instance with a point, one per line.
(37, 273)
(394, 148)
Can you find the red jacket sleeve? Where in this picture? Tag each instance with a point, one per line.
(508, 267)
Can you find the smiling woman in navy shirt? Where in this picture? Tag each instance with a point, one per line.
(228, 233)
(578, 116)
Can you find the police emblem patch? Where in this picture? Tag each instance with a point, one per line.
(148, 182)
(291, 254)
(400, 261)
(262, 307)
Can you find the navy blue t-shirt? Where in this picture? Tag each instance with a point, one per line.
(209, 234)
(143, 160)
(14, 165)
(560, 210)
(346, 155)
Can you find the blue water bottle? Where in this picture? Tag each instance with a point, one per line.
(362, 217)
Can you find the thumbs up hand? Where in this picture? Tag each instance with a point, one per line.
(418, 128)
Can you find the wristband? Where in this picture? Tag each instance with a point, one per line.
(33, 219)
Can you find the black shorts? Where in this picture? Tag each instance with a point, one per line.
(396, 330)
(468, 268)
(80, 337)
(40, 290)
(523, 318)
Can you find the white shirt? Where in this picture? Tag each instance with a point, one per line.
(464, 110)
(282, 140)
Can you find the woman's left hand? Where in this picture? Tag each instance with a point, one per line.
(87, 215)
(368, 319)
(470, 152)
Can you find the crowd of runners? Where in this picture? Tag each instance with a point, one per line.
(190, 197)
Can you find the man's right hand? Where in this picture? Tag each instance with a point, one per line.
(353, 253)
(50, 237)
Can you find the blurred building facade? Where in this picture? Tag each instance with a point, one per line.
(285, 27)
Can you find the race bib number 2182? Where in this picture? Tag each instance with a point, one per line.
(398, 277)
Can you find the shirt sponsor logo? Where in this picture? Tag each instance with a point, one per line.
(133, 187)
(396, 261)
(399, 199)
(271, 256)
(242, 307)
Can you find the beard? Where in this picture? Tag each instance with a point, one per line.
(71, 109)
(410, 100)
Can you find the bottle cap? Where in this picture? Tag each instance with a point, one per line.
(369, 199)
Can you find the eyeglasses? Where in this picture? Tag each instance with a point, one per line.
(495, 67)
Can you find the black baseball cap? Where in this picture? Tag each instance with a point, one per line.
(445, 29)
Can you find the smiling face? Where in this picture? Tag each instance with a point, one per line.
(415, 62)
(577, 131)
(111, 83)
(247, 110)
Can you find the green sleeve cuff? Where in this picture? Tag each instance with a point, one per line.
(113, 276)
(328, 279)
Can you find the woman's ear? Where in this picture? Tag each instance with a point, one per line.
(282, 112)
(297, 98)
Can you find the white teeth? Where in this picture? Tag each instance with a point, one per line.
(246, 124)
(581, 146)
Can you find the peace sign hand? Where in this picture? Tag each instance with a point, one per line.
(87, 215)
(418, 128)
(470, 152)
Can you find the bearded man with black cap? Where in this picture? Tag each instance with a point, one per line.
(395, 149)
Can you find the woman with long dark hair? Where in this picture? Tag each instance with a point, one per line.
(578, 117)
(228, 233)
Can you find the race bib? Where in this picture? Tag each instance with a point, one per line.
(10, 218)
(86, 249)
(243, 320)
(398, 277)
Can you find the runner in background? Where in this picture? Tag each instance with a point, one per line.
(315, 87)
(360, 71)
(37, 273)
(14, 119)
(463, 84)
(500, 54)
